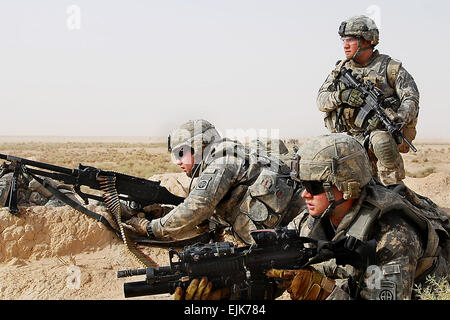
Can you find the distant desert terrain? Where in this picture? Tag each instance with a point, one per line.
(59, 253)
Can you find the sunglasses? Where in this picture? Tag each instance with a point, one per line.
(180, 152)
(313, 187)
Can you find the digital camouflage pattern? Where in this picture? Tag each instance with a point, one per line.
(337, 159)
(403, 251)
(411, 232)
(402, 96)
(225, 175)
(360, 26)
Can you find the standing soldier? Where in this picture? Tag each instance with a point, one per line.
(340, 105)
(236, 187)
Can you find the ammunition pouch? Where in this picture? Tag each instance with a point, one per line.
(266, 200)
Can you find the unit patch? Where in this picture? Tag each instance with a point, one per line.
(203, 184)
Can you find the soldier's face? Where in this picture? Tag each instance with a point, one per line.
(318, 203)
(186, 161)
(350, 45)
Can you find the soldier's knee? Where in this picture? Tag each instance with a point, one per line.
(385, 148)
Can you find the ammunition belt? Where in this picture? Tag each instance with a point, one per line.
(108, 186)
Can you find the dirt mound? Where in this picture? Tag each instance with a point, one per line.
(436, 186)
(59, 253)
(177, 183)
(42, 232)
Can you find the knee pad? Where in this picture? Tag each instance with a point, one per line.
(385, 148)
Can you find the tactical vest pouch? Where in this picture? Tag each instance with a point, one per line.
(267, 198)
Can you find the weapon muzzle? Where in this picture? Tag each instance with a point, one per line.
(131, 273)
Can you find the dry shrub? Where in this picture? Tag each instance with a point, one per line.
(435, 289)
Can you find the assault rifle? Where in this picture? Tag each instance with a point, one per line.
(137, 192)
(373, 106)
(243, 269)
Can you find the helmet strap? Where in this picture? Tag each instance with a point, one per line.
(360, 49)
(333, 203)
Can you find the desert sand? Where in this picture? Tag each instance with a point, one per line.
(59, 253)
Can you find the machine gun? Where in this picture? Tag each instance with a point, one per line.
(241, 269)
(137, 192)
(373, 106)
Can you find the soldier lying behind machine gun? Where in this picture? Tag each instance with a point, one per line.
(137, 193)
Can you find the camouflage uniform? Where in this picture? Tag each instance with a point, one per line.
(400, 242)
(237, 188)
(401, 96)
(411, 233)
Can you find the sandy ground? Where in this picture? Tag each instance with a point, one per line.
(59, 253)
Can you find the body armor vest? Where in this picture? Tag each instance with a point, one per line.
(432, 223)
(382, 71)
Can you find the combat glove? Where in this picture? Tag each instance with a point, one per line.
(393, 116)
(304, 284)
(158, 210)
(137, 224)
(352, 97)
(201, 290)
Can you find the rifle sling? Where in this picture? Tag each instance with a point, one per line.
(61, 196)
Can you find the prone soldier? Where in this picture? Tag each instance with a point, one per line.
(236, 187)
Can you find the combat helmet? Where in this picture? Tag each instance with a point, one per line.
(360, 26)
(334, 159)
(195, 134)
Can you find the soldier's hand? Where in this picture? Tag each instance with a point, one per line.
(201, 290)
(158, 210)
(352, 97)
(304, 284)
(393, 116)
(137, 224)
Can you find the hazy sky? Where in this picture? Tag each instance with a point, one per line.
(139, 68)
